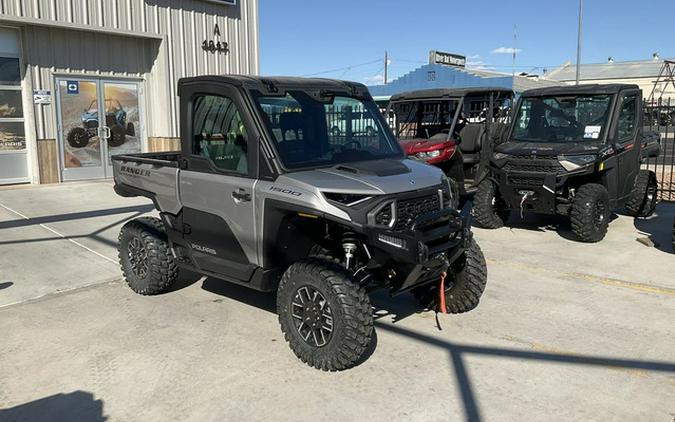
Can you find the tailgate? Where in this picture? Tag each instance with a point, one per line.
(157, 180)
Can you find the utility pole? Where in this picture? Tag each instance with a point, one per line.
(386, 64)
(581, 11)
(513, 61)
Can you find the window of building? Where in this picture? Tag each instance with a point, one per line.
(219, 133)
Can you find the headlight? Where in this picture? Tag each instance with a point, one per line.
(574, 162)
(347, 199)
(428, 154)
(500, 156)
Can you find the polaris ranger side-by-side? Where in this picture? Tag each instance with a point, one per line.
(264, 195)
(449, 128)
(575, 151)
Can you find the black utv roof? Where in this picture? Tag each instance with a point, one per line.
(279, 84)
(438, 93)
(578, 90)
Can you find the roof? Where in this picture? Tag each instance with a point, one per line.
(447, 93)
(615, 70)
(437, 76)
(264, 83)
(578, 89)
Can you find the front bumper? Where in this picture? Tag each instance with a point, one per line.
(434, 241)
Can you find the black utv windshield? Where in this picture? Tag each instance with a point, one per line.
(318, 130)
(562, 118)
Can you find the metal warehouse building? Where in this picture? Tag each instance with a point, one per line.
(447, 70)
(83, 80)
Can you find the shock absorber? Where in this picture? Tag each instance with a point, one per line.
(349, 245)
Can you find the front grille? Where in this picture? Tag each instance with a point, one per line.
(534, 165)
(407, 210)
(523, 181)
(91, 124)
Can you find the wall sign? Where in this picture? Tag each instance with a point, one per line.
(73, 87)
(41, 96)
(449, 59)
(215, 45)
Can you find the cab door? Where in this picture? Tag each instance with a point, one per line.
(627, 131)
(217, 187)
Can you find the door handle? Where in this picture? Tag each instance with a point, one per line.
(240, 195)
(106, 133)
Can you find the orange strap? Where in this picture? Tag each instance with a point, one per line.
(442, 293)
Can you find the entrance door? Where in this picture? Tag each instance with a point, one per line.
(96, 119)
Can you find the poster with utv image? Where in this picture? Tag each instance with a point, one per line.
(80, 107)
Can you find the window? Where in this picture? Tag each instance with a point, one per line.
(312, 129)
(9, 71)
(627, 118)
(219, 133)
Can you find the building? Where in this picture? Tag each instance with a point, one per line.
(437, 75)
(64, 63)
(643, 73)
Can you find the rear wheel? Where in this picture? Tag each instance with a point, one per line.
(642, 202)
(117, 136)
(590, 213)
(325, 317)
(489, 209)
(145, 257)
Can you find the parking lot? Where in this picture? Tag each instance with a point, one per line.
(565, 330)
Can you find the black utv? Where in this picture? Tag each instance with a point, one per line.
(573, 151)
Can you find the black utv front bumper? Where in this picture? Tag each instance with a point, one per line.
(434, 241)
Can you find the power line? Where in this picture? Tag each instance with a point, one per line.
(344, 68)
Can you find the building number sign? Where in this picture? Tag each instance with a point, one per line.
(215, 45)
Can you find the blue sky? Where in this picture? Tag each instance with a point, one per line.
(347, 39)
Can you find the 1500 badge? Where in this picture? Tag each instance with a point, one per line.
(286, 191)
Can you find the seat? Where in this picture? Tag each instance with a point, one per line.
(471, 139)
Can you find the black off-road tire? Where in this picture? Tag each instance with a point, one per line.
(131, 129)
(161, 270)
(489, 210)
(77, 137)
(352, 319)
(117, 136)
(642, 201)
(464, 284)
(590, 213)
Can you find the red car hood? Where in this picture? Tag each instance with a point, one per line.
(413, 146)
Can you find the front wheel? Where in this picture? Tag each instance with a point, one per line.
(642, 201)
(117, 136)
(489, 209)
(590, 213)
(145, 257)
(326, 318)
(77, 137)
(464, 284)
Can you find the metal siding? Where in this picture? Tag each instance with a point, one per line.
(183, 24)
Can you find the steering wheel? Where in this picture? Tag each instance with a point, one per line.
(357, 143)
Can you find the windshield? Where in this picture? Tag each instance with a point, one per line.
(562, 119)
(314, 131)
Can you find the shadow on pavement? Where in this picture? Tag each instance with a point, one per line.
(6, 284)
(31, 221)
(404, 305)
(75, 406)
(659, 227)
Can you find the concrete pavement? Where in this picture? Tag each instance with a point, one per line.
(565, 331)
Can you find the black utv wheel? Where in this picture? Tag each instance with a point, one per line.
(590, 213)
(117, 136)
(146, 260)
(77, 137)
(464, 284)
(325, 317)
(642, 202)
(131, 130)
(489, 210)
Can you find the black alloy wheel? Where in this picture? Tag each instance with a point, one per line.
(312, 316)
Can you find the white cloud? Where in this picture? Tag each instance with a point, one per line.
(506, 50)
(374, 80)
